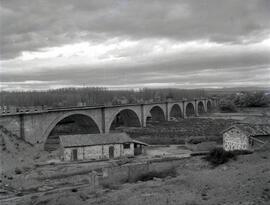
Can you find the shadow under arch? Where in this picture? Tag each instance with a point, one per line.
(125, 118)
(176, 112)
(156, 115)
(70, 125)
(190, 110)
(201, 109)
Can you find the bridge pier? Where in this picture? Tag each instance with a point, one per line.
(167, 111)
(143, 123)
(196, 108)
(22, 128)
(103, 125)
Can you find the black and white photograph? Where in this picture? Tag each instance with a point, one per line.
(134, 102)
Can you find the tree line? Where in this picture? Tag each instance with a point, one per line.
(245, 99)
(89, 96)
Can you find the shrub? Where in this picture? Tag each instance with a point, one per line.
(219, 156)
(110, 185)
(227, 105)
(252, 99)
(17, 170)
(74, 190)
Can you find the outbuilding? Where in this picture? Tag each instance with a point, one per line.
(98, 146)
(244, 136)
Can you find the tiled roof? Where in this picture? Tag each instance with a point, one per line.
(252, 129)
(140, 142)
(93, 139)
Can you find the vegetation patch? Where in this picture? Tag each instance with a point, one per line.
(111, 186)
(219, 156)
(178, 132)
(155, 174)
(227, 105)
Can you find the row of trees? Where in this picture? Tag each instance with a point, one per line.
(93, 96)
(245, 99)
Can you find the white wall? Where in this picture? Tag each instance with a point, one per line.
(99, 152)
(93, 152)
(234, 139)
(128, 152)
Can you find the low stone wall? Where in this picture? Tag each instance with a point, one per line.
(107, 175)
(130, 172)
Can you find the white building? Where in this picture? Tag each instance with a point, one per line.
(98, 146)
(244, 136)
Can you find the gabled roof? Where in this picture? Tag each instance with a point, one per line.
(94, 139)
(251, 129)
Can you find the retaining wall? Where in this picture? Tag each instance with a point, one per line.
(130, 172)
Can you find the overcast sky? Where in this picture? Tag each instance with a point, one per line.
(49, 44)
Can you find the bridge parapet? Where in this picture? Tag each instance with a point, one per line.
(6, 110)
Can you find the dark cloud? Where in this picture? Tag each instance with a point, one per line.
(228, 48)
(197, 68)
(33, 24)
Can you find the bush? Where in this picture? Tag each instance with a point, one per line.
(74, 190)
(252, 99)
(219, 156)
(110, 185)
(227, 105)
(17, 170)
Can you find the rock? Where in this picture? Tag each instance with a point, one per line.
(224, 168)
(84, 197)
(45, 188)
(156, 179)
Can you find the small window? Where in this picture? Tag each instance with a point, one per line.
(126, 146)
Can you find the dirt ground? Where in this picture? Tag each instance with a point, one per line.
(243, 181)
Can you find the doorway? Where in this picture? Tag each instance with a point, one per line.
(111, 152)
(74, 156)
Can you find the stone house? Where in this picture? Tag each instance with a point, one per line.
(98, 146)
(245, 136)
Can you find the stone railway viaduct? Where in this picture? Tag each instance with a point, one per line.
(36, 127)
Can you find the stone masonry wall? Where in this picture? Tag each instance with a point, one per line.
(234, 139)
(99, 152)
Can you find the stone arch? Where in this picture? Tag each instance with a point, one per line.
(126, 117)
(176, 112)
(190, 110)
(156, 114)
(70, 123)
(209, 105)
(201, 108)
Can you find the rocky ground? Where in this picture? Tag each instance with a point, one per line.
(243, 181)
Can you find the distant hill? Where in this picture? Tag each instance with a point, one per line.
(228, 91)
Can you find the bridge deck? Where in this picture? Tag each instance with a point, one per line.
(71, 108)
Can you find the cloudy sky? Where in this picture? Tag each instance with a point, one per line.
(47, 44)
